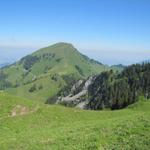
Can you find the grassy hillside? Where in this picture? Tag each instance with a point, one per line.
(119, 67)
(28, 125)
(43, 73)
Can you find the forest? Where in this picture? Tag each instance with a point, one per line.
(117, 90)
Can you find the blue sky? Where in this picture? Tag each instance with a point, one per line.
(111, 31)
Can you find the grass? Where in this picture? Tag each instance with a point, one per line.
(54, 127)
(50, 88)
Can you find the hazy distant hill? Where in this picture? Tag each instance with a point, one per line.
(119, 67)
(4, 64)
(46, 71)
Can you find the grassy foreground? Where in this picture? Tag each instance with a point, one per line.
(28, 125)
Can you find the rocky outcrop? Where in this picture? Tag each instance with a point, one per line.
(78, 96)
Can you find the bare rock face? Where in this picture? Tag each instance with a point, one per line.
(76, 86)
(78, 96)
(88, 83)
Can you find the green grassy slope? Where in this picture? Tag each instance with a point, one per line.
(57, 61)
(37, 126)
(119, 67)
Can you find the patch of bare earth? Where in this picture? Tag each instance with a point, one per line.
(20, 110)
(47, 141)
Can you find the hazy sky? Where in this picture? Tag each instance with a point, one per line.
(111, 31)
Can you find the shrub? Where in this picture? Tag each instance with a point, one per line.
(33, 88)
(79, 70)
(41, 87)
(29, 61)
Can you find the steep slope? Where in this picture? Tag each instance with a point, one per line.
(110, 89)
(29, 125)
(46, 71)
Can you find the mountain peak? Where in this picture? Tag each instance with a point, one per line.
(53, 67)
(62, 44)
(57, 47)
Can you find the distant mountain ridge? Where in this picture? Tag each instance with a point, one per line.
(4, 65)
(45, 72)
(118, 67)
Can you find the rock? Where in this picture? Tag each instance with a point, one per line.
(76, 86)
(78, 96)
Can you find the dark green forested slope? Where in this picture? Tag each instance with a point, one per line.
(115, 91)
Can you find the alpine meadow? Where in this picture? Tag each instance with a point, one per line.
(75, 75)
